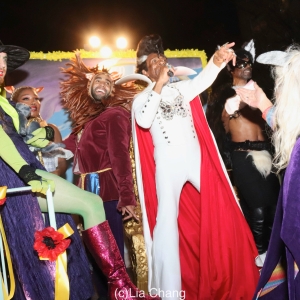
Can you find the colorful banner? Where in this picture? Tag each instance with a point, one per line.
(44, 70)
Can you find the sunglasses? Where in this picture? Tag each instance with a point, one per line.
(241, 64)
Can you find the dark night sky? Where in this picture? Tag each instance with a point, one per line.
(66, 24)
(41, 25)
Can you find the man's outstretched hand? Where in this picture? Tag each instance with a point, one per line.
(128, 213)
(255, 98)
(224, 55)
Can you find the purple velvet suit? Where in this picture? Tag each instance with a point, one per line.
(285, 239)
(105, 144)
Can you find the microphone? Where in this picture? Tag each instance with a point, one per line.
(170, 73)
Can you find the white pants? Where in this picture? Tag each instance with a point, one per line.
(175, 165)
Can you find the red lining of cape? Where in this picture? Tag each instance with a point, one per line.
(217, 249)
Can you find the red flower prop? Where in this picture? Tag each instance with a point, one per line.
(50, 243)
(2, 201)
(3, 190)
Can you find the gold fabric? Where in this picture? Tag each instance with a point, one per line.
(134, 233)
(83, 175)
(10, 276)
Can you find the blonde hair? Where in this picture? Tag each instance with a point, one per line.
(287, 107)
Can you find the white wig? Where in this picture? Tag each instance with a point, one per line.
(287, 106)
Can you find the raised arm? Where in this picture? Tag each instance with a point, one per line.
(257, 98)
(191, 88)
(145, 106)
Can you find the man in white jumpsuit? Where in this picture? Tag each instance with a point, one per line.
(165, 110)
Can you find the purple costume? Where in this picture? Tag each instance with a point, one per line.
(22, 217)
(280, 274)
(104, 145)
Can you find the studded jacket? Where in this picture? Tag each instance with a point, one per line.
(168, 115)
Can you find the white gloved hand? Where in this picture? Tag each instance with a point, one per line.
(232, 104)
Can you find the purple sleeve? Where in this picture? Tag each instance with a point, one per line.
(118, 142)
(290, 232)
(70, 143)
(270, 117)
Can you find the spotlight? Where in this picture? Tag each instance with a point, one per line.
(94, 41)
(121, 43)
(105, 52)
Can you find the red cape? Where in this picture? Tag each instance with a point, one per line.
(217, 250)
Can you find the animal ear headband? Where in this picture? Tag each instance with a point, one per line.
(275, 58)
(250, 48)
(12, 90)
(114, 75)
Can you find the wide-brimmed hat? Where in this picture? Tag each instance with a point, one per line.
(16, 56)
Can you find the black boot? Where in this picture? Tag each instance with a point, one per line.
(255, 218)
(256, 223)
(269, 219)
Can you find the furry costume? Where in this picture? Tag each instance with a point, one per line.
(102, 131)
